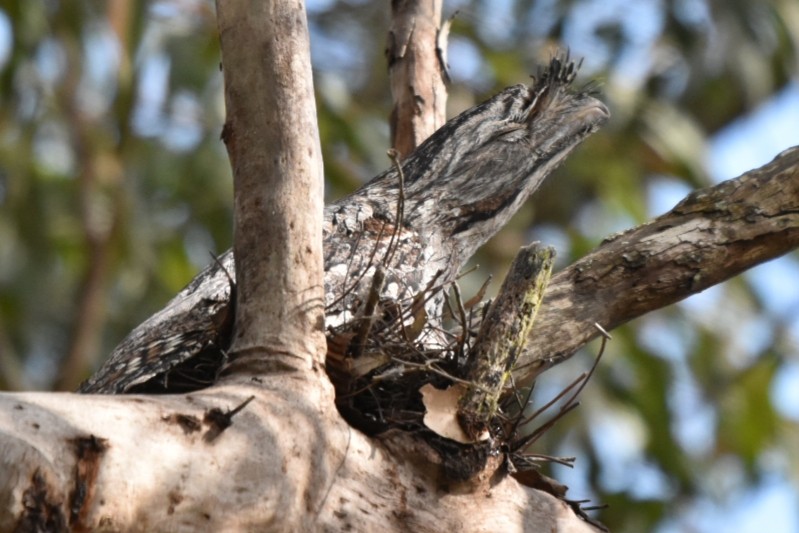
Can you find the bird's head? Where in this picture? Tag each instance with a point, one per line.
(472, 175)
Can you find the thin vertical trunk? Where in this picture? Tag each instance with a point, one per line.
(415, 53)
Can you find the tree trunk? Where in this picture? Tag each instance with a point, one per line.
(417, 71)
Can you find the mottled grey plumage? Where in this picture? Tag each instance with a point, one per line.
(460, 187)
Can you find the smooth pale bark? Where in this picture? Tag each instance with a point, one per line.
(147, 464)
(273, 143)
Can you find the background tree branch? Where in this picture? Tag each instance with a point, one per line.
(416, 53)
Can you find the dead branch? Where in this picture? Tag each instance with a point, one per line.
(502, 336)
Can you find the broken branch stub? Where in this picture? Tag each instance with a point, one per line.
(502, 336)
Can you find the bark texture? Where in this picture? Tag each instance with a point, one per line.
(712, 235)
(146, 463)
(503, 335)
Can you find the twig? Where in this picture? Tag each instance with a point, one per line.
(605, 337)
(478, 297)
(571, 402)
(535, 435)
(367, 320)
(554, 400)
(393, 244)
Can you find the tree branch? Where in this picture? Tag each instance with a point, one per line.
(416, 71)
(142, 463)
(273, 143)
(711, 235)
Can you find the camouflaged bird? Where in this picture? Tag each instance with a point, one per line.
(421, 223)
